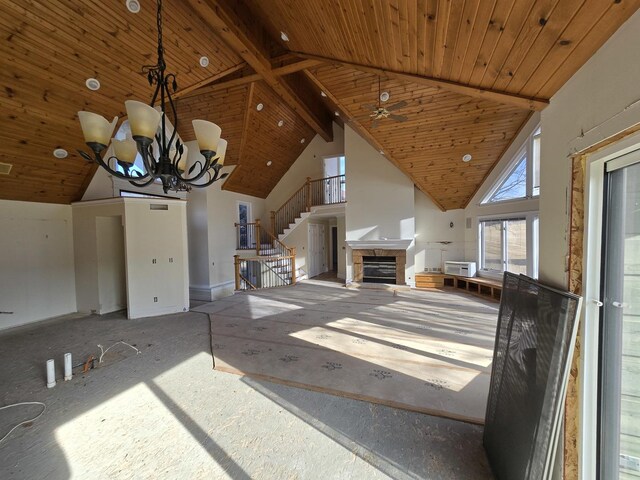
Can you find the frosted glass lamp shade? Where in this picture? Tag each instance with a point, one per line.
(207, 134)
(125, 150)
(143, 119)
(96, 128)
(222, 151)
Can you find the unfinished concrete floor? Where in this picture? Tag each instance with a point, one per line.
(166, 414)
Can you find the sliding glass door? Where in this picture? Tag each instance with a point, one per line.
(619, 405)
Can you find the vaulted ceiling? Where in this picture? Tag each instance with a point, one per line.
(470, 72)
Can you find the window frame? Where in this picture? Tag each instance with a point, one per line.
(532, 241)
(525, 151)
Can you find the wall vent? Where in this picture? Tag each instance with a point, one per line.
(5, 168)
(158, 206)
(468, 222)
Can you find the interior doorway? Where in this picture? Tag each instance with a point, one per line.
(112, 278)
(316, 253)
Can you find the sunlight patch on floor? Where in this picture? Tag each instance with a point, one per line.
(107, 441)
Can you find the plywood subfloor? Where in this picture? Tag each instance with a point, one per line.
(424, 351)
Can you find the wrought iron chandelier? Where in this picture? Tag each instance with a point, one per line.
(164, 156)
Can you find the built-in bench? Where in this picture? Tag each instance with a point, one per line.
(476, 285)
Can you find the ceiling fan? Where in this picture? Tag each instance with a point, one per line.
(379, 112)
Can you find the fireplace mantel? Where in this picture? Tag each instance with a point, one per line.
(386, 244)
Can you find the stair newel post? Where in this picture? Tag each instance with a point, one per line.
(273, 223)
(258, 235)
(236, 263)
(308, 194)
(292, 259)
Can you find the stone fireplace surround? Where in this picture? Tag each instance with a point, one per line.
(380, 248)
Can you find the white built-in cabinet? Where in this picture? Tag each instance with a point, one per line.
(155, 255)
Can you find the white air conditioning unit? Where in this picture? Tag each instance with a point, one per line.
(463, 269)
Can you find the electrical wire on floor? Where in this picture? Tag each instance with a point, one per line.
(44, 408)
(103, 351)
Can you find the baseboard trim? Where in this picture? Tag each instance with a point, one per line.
(211, 292)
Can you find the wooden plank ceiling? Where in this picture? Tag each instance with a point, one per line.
(469, 70)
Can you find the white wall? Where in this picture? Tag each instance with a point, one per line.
(37, 278)
(160, 287)
(433, 230)
(308, 164)
(380, 199)
(600, 100)
(212, 213)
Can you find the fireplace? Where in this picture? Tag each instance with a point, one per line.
(387, 265)
(378, 269)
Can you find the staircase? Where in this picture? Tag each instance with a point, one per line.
(314, 193)
(274, 264)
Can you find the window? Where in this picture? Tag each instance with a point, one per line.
(521, 178)
(245, 234)
(509, 244)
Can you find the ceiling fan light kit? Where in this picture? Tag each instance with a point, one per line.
(378, 112)
(163, 154)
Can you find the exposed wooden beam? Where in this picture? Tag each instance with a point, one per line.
(366, 135)
(253, 77)
(476, 92)
(243, 39)
(207, 81)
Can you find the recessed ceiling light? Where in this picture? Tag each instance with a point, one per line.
(302, 140)
(269, 163)
(384, 96)
(284, 37)
(323, 94)
(466, 157)
(259, 107)
(92, 84)
(204, 61)
(132, 5)
(60, 153)
(337, 113)
(280, 123)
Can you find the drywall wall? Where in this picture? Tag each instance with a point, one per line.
(436, 240)
(600, 100)
(308, 164)
(211, 215)
(380, 199)
(157, 256)
(37, 278)
(342, 248)
(198, 238)
(475, 210)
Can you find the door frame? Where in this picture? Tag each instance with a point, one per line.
(592, 268)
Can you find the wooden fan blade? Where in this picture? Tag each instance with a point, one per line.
(369, 107)
(374, 124)
(397, 106)
(398, 118)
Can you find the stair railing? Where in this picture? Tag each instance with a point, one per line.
(323, 191)
(253, 273)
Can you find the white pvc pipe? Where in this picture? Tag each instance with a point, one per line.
(68, 374)
(51, 373)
